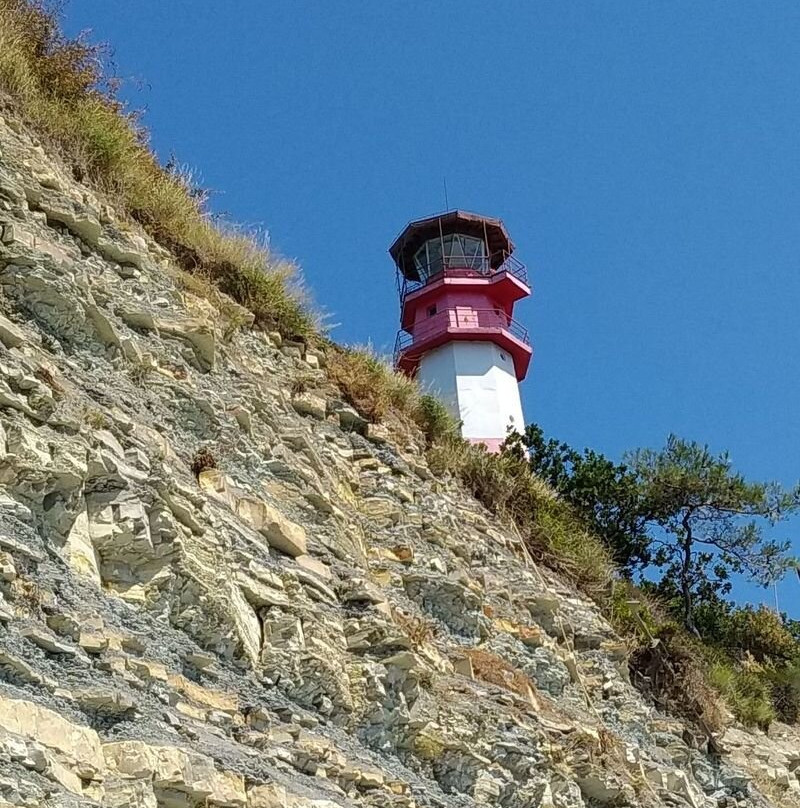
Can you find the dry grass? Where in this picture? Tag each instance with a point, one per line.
(665, 662)
(778, 795)
(494, 670)
(418, 630)
(58, 87)
(506, 486)
(234, 316)
(675, 670)
(368, 383)
(203, 460)
(26, 595)
(95, 418)
(375, 389)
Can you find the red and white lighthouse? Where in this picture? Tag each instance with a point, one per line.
(458, 283)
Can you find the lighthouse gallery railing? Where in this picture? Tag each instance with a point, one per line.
(458, 318)
(479, 266)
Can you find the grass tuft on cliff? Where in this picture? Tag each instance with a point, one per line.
(550, 531)
(374, 388)
(370, 384)
(59, 87)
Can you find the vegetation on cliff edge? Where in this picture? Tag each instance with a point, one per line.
(60, 88)
(679, 522)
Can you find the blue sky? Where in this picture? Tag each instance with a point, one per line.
(644, 156)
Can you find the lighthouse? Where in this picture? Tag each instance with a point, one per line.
(458, 282)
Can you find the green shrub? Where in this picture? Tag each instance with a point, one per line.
(632, 613)
(751, 701)
(560, 539)
(501, 482)
(785, 683)
(761, 633)
(747, 692)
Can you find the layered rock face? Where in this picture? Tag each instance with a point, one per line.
(222, 587)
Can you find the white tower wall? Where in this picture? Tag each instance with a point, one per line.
(477, 384)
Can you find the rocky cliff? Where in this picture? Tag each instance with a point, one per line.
(222, 587)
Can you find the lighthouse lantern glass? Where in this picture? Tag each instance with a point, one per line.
(454, 251)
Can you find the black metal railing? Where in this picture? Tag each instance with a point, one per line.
(457, 318)
(477, 266)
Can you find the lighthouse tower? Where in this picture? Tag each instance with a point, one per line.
(458, 283)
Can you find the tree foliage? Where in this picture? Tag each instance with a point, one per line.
(606, 495)
(761, 633)
(710, 523)
(681, 513)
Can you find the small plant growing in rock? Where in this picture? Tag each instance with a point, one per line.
(302, 384)
(428, 747)
(368, 383)
(202, 461)
(139, 373)
(96, 419)
(237, 320)
(434, 420)
(27, 594)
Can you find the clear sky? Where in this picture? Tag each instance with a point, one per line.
(644, 156)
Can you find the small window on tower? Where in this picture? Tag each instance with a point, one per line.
(431, 310)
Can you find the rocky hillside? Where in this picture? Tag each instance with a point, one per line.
(222, 587)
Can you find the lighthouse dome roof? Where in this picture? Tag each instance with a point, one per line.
(416, 233)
